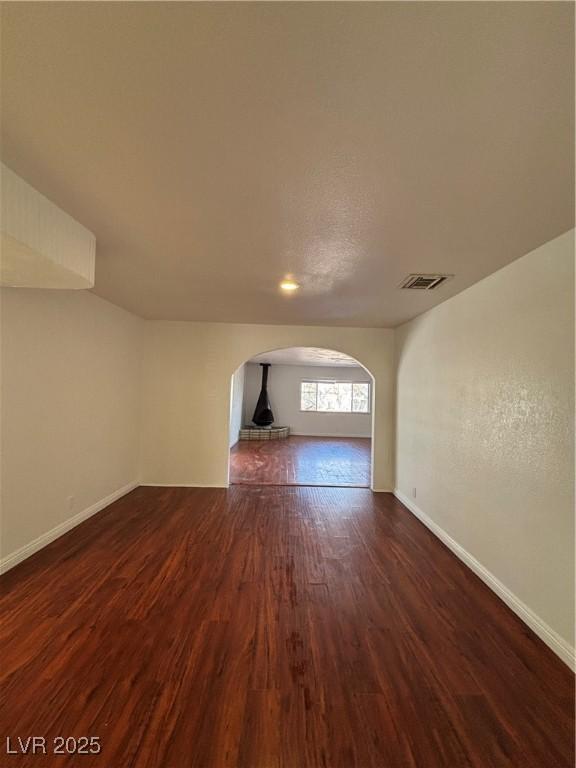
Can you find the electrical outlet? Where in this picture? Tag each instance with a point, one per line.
(414, 492)
(70, 503)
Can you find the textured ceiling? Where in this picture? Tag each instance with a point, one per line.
(215, 147)
(305, 356)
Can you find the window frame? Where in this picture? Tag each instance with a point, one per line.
(338, 381)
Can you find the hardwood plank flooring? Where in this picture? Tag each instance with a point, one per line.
(298, 460)
(262, 627)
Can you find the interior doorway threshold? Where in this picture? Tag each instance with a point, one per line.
(297, 485)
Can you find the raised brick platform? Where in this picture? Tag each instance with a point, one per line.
(264, 433)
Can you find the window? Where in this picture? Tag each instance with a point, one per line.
(335, 396)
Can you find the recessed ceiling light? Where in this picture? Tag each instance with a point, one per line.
(289, 285)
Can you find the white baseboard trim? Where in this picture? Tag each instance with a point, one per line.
(182, 485)
(552, 639)
(54, 533)
(321, 434)
(382, 490)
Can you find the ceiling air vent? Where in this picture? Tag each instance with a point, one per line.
(424, 282)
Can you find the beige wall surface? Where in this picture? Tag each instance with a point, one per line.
(71, 370)
(186, 398)
(284, 389)
(485, 419)
(236, 403)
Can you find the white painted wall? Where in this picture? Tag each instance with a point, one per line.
(284, 390)
(71, 374)
(236, 402)
(485, 428)
(42, 246)
(186, 398)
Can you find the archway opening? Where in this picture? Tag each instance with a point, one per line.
(302, 416)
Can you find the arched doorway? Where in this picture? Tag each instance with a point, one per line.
(323, 408)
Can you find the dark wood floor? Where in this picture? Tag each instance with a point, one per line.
(338, 461)
(261, 627)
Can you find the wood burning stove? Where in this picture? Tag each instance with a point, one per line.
(263, 416)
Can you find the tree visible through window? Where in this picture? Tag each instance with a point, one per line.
(335, 396)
